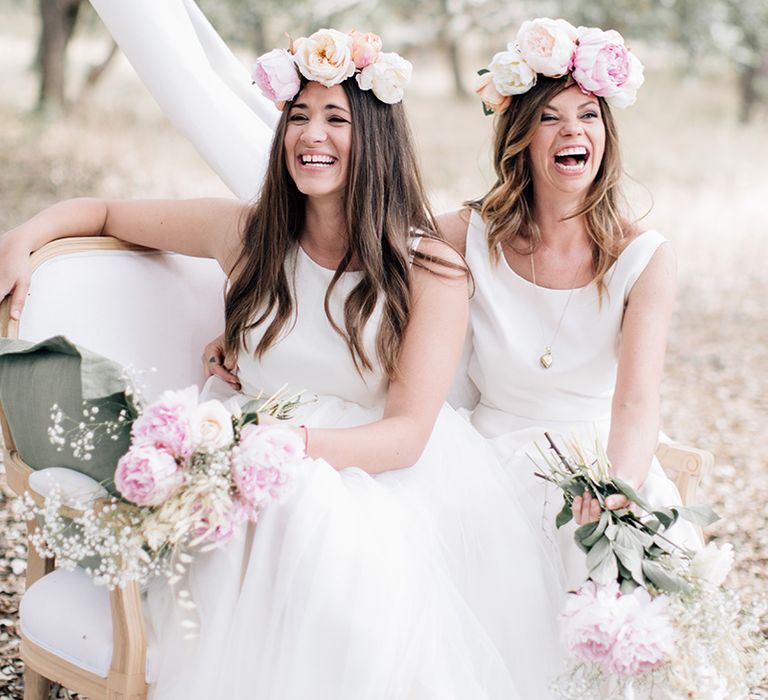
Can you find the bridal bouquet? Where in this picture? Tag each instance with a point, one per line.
(192, 473)
(651, 617)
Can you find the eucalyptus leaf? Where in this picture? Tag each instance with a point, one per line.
(631, 494)
(641, 537)
(666, 516)
(698, 515)
(611, 531)
(664, 579)
(630, 553)
(651, 526)
(599, 531)
(601, 562)
(564, 516)
(248, 418)
(628, 586)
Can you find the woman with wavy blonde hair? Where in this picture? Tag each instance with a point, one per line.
(572, 301)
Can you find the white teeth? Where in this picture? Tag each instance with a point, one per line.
(572, 168)
(572, 151)
(317, 159)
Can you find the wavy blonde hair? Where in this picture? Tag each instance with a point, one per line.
(507, 208)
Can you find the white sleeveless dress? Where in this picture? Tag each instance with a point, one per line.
(425, 583)
(519, 399)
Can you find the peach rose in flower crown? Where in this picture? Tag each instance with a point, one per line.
(547, 45)
(387, 77)
(276, 76)
(511, 74)
(603, 66)
(365, 48)
(493, 100)
(324, 57)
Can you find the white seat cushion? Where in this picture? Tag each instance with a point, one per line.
(76, 489)
(66, 614)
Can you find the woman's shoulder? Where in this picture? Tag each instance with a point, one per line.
(453, 228)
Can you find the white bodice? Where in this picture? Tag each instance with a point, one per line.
(310, 355)
(513, 320)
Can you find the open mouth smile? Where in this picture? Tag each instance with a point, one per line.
(317, 160)
(572, 159)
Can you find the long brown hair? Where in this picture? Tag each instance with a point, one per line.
(508, 206)
(385, 204)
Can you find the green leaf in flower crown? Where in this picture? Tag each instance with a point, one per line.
(663, 578)
(601, 562)
(564, 516)
(630, 552)
(698, 515)
(631, 494)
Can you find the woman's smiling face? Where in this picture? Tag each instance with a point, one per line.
(567, 148)
(318, 140)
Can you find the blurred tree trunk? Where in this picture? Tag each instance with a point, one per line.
(58, 19)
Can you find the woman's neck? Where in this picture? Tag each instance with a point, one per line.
(558, 232)
(324, 236)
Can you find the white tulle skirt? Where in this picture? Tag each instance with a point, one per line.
(426, 583)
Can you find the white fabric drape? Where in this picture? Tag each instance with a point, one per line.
(201, 86)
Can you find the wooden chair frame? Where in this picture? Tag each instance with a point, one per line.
(127, 673)
(686, 466)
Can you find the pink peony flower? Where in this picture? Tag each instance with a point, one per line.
(166, 423)
(276, 76)
(547, 45)
(147, 476)
(645, 638)
(589, 623)
(365, 48)
(603, 66)
(218, 528)
(263, 463)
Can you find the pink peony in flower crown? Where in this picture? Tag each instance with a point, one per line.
(329, 57)
(599, 63)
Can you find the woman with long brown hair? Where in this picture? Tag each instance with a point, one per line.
(568, 322)
(380, 574)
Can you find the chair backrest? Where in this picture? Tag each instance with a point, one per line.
(144, 308)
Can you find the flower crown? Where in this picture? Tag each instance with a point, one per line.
(329, 57)
(598, 62)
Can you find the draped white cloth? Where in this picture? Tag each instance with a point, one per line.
(201, 86)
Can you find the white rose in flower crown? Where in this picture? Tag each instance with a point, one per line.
(212, 426)
(712, 563)
(387, 77)
(547, 45)
(511, 74)
(324, 57)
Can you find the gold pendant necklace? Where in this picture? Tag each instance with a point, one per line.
(546, 359)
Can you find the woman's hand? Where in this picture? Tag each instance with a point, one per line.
(15, 273)
(586, 508)
(215, 363)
